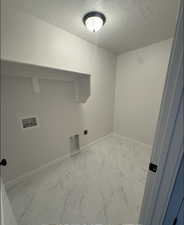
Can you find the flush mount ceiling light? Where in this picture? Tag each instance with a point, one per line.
(94, 21)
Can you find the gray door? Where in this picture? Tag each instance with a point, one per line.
(180, 218)
(175, 211)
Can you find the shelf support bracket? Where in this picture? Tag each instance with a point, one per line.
(36, 85)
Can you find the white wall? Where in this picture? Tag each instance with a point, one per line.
(140, 78)
(31, 40)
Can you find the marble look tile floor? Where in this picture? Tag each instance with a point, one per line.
(104, 185)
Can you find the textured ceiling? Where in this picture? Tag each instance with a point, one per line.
(131, 24)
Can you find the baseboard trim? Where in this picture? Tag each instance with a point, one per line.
(28, 175)
(84, 148)
(131, 139)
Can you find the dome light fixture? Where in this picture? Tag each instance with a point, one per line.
(94, 20)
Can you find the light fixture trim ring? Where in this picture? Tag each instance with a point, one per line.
(93, 14)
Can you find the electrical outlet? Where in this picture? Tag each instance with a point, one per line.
(85, 132)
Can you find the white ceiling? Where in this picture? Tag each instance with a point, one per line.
(130, 24)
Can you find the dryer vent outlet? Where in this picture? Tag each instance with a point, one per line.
(74, 144)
